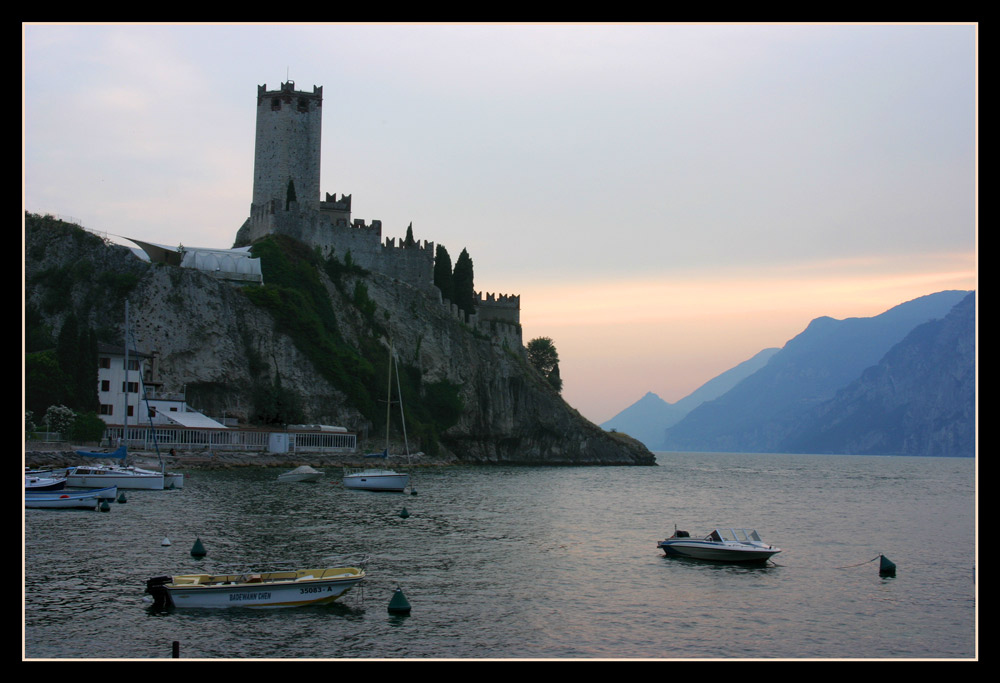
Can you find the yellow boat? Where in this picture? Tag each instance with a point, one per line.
(263, 590)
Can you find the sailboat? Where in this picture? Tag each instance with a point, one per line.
(383, 478)
(123, 476)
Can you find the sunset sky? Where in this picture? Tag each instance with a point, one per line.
(668, 200)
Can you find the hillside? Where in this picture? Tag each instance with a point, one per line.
(311, 346)
(918, 400)
(648, 418)
(762, 411)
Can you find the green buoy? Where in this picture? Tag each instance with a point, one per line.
(198, 550)
(398, 604)
(885, 566)
(122, 498)
(104, 505)
(404, 513)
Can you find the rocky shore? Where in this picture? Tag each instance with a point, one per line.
(55, 456)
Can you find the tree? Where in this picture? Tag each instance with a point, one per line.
(442, 272)
(543, 356)
(463, 287)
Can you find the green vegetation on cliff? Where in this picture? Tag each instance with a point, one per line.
(296, 297)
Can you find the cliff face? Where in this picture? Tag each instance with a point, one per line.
(227, 351)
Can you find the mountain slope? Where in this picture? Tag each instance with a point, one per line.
(761, 411)
(648, 418)
(918, 400)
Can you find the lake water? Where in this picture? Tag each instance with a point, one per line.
(508, 562)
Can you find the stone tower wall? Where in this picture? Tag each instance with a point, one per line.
(289, 131)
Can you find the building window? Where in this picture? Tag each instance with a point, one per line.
(133, 388)
(275, 104)
(107, 409)
(131, 411)
(104, 362)
(105, 385)
(303, 104)
(133, 364)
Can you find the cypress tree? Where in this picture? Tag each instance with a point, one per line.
(442, 273)
(463, 285)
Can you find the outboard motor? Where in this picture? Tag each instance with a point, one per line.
(681, 534)
(155, 587)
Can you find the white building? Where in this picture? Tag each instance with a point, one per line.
(120, 393)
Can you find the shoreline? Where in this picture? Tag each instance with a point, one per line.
(56, 456)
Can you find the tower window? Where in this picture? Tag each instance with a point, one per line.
(303, 104)
(275, 103)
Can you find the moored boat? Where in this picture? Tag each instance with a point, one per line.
(122, 476)
(88, 499)
(383, 479)
(724, 544)
(36, 483)
(274, 589)
(303, 473)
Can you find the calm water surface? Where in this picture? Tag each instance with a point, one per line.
(533, 563)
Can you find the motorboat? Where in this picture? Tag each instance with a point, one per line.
(260, 590)
(724, 544)
(303, 473)
(88, 499)
(37, 483)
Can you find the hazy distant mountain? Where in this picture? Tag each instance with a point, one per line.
(649, 417)
(919, 400)
(766, 408)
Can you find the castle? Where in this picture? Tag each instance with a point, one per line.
(286, 200)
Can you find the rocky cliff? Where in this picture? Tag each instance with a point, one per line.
(318, 353)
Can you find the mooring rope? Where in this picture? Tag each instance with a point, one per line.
(846, 566)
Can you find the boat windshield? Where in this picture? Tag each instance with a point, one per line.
(740, 535)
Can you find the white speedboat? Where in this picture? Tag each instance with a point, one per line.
(303, 473)
(724, 544)
(89, 499)
(263, 590)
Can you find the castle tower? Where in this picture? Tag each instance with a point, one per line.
(287, 152)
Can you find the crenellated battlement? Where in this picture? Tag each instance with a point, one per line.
(286, 200)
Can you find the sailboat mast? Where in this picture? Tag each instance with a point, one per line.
(125, 414)
(402, 417)
(388, 400)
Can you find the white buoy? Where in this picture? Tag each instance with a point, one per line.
(165, 542)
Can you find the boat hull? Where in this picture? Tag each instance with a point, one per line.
(150, 482)
(44, 483)
(69, 499)
(264, 591)
(376, 480)
(717, 553)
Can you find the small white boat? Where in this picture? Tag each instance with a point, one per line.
(722, 545)
(36, 483)
(262, 590)
(303, 473)
(376, 480)
(88, 499)
(123, 476)
(383, 479)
